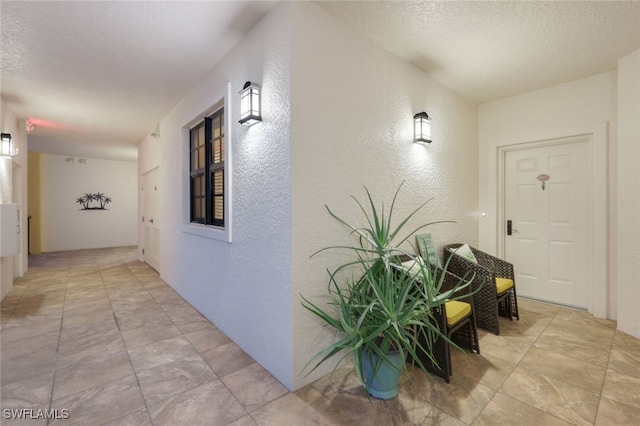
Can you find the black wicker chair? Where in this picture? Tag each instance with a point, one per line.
(462, 330)
(495, 298)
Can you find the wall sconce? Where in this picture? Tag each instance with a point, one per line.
(250, 104)
(156, 132)
(7, 149)
(422, 128)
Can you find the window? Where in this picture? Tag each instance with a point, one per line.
(207, 186)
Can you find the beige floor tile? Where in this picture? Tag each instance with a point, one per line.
(92, 370)
(503, 410)
(253, 386)
(407, 409)
(625, 362)
(25, 416)
(102, 336)
(138, 319)
(29, 345)
(207, 338)
(209, 404)
(65, 324)
(28, 393)
(581, 325)
(624, 342)
(191, 322)
(178, 309)
(462, 398)
(101, 404)
(167, 380)
(562, 400)
(149, 334)
(623, 388)
(484, 368)
(139, 418)
(574, 347)
(20, 327)
(88, 313)
(245, 420)
(226, 359)
(40, 363)
(159, 353)
(565, 369)
(343, 378)
(509, 348)
(294, 408)
(613, 412)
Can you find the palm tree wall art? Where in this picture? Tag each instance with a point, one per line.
(87, 200)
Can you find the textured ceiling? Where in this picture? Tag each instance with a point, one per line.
(487, 50)
(95, 77)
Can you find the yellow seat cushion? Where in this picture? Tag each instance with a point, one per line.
(456, 310)
(503, 284)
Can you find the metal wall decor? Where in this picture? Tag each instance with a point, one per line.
(96, 201)
(543, 179)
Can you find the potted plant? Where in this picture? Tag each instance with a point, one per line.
(380, 307)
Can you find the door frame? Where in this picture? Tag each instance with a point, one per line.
(144, 213)
(596, 138)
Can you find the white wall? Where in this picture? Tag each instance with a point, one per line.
(13, 189)
(280, 182)
(352, 108)
(627, 259)
(65, 226)
(562, 110)
(243, 287)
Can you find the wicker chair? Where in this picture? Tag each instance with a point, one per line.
(457, 320)
(497, 297)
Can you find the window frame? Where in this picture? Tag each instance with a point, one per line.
(216, 232)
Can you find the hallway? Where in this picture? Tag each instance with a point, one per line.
(99, 337)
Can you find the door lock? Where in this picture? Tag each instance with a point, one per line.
(510, 229)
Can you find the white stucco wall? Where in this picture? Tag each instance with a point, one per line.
(352, 106)
(627, 242)
(243, 287)
(13, 189)
(585, 105)
(65, 226)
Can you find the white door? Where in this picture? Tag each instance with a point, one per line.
(546, 200)
(150, 222)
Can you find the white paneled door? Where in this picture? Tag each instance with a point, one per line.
(150, 222)
(546, 208)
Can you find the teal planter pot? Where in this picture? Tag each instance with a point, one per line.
(384, 384)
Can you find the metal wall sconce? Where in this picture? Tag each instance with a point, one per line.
(250, 112)
(7, 149)
(422, 128)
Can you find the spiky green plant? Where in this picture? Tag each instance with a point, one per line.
(381, 306)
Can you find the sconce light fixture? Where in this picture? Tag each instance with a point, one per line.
(250, 104)
(6, 146)
(422, 127)
(156, 132)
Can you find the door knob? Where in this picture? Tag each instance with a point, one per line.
(151, 220)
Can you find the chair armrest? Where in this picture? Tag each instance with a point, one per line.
(500, 267)
(460, 266)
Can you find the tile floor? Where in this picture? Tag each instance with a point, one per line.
(97, 333)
